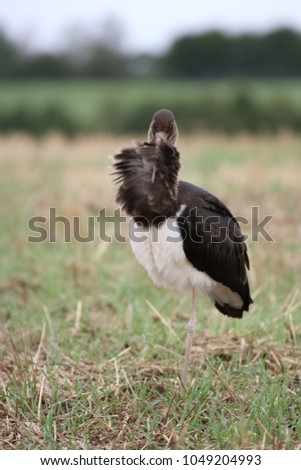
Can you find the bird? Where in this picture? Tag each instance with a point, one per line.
(185, 237)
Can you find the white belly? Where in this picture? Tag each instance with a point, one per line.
(160, 251)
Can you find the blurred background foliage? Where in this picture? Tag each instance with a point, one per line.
(212, 81)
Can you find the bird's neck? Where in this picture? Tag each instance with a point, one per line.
(162, 163)
(149, 176)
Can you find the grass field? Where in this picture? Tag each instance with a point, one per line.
(91, 351)
(83, 96)
(111, 107)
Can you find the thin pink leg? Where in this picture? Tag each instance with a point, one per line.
(190, 328)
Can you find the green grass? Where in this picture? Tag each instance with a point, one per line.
(83, 96)
(85, 360)
(108, 106)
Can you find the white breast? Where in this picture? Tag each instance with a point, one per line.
(160, 251)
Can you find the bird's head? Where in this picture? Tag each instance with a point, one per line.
(163, 126)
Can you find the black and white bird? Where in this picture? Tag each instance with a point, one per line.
(185, 237)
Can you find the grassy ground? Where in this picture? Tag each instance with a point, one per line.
(93, 105)
(84, 96)
(91, 351)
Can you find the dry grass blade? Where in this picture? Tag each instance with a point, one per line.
(267, 433)
(78, 315)
(233, 396)
(40, 398)
(162, 319)
(37, 354)
(129, 384)
(48, 318)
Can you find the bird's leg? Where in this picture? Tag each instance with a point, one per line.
(190, 328)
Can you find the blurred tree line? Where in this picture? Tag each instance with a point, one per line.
(191, 58)
(209, 55)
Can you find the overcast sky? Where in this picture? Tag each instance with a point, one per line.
(147, 25)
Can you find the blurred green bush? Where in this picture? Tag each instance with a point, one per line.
(239, 112)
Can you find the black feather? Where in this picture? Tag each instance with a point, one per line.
(149, 185)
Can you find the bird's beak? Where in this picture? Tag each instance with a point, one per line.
(161, 136)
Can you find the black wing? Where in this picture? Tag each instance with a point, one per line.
(213, 242)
